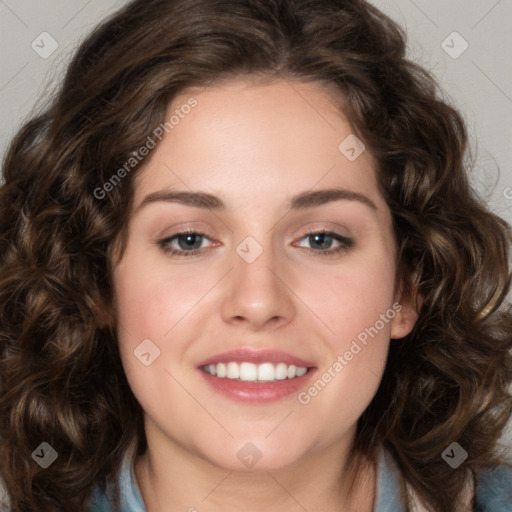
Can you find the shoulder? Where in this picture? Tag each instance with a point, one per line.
(98, 503)
(492, 493)
(131, 498)
(494, 490)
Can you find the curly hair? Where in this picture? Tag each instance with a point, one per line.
(61, 377)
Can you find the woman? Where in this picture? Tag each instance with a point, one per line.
(242, 267)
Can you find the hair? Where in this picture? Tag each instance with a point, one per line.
(61, 377)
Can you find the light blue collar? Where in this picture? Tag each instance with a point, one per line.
(388, 485)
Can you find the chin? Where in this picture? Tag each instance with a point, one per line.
(254, 457)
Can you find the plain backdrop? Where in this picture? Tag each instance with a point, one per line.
(466, 43)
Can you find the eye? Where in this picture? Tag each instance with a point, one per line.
(324, 239)
(189, 243)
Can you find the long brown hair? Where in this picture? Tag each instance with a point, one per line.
(61, 378)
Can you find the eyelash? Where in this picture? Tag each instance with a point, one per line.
(346, 243)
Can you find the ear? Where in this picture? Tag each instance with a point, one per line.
(407, 306)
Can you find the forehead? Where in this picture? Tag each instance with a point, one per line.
(265, 139)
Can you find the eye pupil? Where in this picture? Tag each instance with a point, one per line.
(322, 237)
(190, 241)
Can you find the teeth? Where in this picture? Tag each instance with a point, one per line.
(221, 369)
(233, 371)
(301, 370)
(292, 371)
(281, 371)
(266, 372)
(250, 372)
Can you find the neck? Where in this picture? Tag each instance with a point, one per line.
(183, 483)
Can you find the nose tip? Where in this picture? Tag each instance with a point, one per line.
(256, 296)
(255, 319)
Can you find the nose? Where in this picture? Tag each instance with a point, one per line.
(257, 294)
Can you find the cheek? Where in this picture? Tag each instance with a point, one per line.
(143, 296)
(355, 304)
(351, 297)
(151, 299)
(356, 345)
(156, 304)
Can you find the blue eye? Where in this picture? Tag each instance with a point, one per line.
(320, 238)
(189, 243)
(186, 240)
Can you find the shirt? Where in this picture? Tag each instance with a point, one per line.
(494, 490)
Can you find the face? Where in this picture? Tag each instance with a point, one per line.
(272, 278)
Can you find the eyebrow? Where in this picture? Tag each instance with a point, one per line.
(302, 201)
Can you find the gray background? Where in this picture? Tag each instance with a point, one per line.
(478, 81)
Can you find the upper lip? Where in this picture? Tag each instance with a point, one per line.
(257, 357)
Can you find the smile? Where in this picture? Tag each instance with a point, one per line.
(250, 372)
(256, 376)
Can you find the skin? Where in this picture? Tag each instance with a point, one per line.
(255, 145)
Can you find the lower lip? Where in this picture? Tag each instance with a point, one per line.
(255, 392)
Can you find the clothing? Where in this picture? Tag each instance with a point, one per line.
(494, 490)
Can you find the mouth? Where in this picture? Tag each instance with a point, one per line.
(256, 376)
